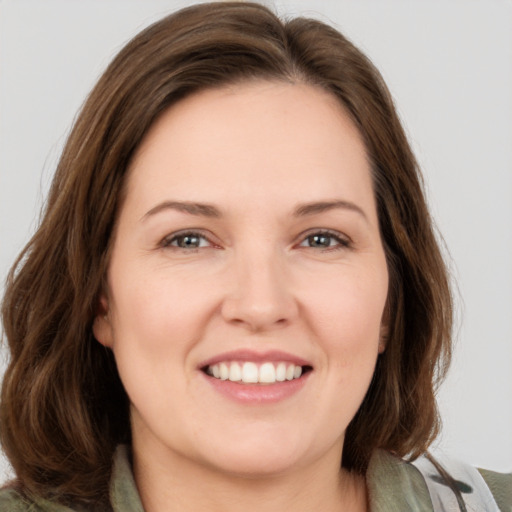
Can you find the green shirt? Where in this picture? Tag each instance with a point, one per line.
(394, 485)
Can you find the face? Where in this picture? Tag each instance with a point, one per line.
(247, 281)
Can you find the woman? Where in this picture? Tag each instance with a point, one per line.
(235, 285)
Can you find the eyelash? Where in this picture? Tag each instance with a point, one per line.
(342, 242)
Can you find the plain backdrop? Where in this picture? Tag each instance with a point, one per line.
(449, 67)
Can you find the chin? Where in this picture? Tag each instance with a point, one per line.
(257, 465)
(259, 456)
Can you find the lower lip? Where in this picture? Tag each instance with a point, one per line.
(258, 393)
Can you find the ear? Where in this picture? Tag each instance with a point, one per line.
(102, 326)
(384, 329)
(383, 337)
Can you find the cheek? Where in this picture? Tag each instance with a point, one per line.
(156, 323)
(346, 315)
(155, 309)
(159, 318)
(348, 309)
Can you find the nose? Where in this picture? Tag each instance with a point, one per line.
(259, 296)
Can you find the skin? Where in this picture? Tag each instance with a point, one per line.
(256, 152)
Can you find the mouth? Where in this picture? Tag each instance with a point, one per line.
(256, 372)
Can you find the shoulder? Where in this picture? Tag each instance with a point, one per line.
(12, 501)
(500, 484)
(455, 482)
(395, 484)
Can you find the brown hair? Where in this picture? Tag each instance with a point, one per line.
(63, 408)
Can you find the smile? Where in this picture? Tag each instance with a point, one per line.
(257, 378)
(249, 372)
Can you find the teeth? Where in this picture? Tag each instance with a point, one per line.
(252, 373)
(249, 373)
(281, 372)
(267, 373)
(224, 371)
(235, 372)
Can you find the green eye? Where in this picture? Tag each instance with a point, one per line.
(187, 241)
(319, 240)
(325, 240)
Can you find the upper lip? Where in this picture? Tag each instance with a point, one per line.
(254, 356)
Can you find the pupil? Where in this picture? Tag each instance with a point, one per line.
(320, 240)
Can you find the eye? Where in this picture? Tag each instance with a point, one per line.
(186, 240)
(325, 240)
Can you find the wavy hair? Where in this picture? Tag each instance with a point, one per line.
(63, 408)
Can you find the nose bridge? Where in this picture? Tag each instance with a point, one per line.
(260, 295)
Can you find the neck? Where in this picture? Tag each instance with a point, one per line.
(167, 481)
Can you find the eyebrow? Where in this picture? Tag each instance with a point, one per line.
(306, 209)
(199, 209)
(209, 210)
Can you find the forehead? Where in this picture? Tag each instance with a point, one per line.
(249, 140)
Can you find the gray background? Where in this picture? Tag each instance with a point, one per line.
(449, 66)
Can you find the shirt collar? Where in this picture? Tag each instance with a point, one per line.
(393, 485)
(123, 491)
(396, 485)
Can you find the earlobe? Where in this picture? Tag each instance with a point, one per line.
(102, 327)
